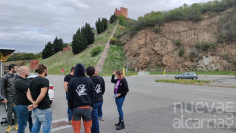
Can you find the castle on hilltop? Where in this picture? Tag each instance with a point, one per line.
(123, 11)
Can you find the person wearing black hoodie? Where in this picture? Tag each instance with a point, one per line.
(120, 91)
(80, 99)
(99, 85)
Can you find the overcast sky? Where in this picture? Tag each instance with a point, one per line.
(27, 25)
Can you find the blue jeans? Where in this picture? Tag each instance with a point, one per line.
(42, 117)
(30, 121)
(69, 112)
(95, 122)
(23, 116)
(119, 104)
(100, 111)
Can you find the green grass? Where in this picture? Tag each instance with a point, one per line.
(69, 60)
(104, 37)
(119, 30)
(115, 59)
(48, 59)
(198, 72)
(184, 81)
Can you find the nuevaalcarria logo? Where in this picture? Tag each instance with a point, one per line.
(224, 108)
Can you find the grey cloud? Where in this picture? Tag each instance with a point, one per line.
(28, 25)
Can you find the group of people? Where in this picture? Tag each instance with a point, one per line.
(29, 100)
(85, 97)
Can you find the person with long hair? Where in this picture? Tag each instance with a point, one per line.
(121, 89)
(38, 96)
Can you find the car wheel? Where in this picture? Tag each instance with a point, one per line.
(50, 102)
(180, 77)
(194, 78)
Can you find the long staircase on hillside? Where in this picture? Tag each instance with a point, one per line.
(102, 59)
(59, 54)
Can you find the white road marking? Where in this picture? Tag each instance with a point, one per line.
(140, 90)
(216, 91)
(64, 119)
(63, 127)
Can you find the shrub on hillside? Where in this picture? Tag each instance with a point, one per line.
(122, 20)
(221, 38)
(177, 42)
(181, 51)
(184, 13)
(96, 51)
(193, 54)
(157, 29)
(205, 45)
(114, 41)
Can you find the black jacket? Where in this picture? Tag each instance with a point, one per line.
(99, 86)
(21, 86)
(7, 85)
(80, 89)
(123, 88)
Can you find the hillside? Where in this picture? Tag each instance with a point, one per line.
(103, 37)
(67, 60)
(115, 59)
(183, 45)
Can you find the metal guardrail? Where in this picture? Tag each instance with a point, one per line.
(143, 73)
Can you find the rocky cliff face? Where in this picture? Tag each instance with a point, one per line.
(158, 50)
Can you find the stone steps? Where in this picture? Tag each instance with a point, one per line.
(102, 59)
(60, 54)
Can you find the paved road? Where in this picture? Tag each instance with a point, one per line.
(150, 107)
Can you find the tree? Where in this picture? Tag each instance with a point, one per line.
(88, 33)
(48, 50)
(113, 18)
(101, 26)
(57, 44)
(64, 46)
(60, 44)
(98, 26)
(122, 20)
(104, 21)
(79, 43)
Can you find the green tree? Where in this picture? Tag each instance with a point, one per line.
(98, 26)
(104, 20)
(48, 50)
(122, 20)
(79, 43)
(113, 18)
(88, 33)
(60, 44)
